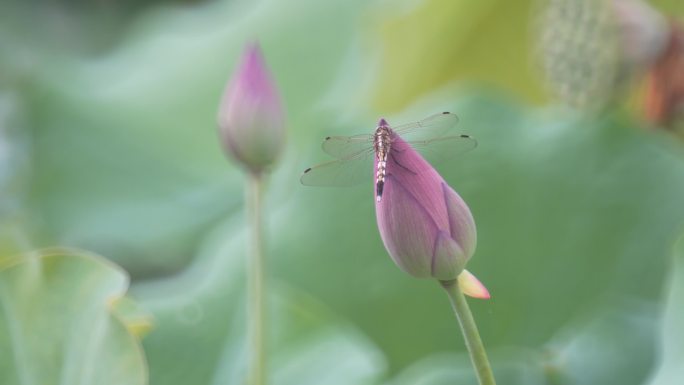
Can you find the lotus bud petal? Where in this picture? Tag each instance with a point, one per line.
(472, 286)
(426, 227)
(250, 118)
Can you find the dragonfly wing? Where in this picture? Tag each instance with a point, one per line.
(434, 126)
(439, 150)
(344, 147)
(341, 172)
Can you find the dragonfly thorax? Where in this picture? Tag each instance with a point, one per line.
(382, 140)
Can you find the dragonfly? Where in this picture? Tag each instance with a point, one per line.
(354, 155)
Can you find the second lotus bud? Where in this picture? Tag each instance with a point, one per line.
(251, 119)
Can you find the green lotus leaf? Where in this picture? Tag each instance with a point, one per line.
(670, 371)
(58, 325)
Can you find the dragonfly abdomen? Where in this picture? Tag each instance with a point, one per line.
(380, 179)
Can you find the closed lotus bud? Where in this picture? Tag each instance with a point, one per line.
(426, 227)
(250, 117)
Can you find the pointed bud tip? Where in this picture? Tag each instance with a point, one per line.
(253, 59)
(253, 48)
(382, 123)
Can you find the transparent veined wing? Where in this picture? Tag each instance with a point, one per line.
(354, 154)
(343, 147)
(443, 149)
(434, 126)
(354, 170)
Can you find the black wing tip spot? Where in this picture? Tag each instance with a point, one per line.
(307, 170)
(327, 138)
(446, 113)
(465, 136)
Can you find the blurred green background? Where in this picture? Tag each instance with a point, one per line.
(108, 144)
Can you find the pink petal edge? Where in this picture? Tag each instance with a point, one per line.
(471, 286)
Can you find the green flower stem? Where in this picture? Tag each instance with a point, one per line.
(256, 283)
(478, 355)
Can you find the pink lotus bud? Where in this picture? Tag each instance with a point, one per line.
(426, 227)
(250, 117)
